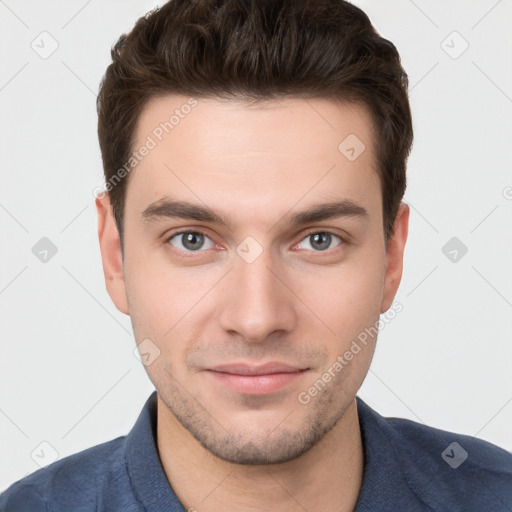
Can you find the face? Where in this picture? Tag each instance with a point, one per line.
(254, 258)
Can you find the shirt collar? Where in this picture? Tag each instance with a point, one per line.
(384, 483)
(147, 475)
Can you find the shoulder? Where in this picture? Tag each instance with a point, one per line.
(452, 471)
(73, 483)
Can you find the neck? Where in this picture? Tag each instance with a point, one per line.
(327, 477)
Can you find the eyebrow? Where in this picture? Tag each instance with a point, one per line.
(166, 208)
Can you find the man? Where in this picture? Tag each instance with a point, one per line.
(253, 228)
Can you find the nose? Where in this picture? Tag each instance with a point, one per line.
(256, 302)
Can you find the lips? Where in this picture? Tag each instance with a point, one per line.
(263, 369)
(251, 379)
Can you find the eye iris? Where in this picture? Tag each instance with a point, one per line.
(192, 241)
(320, 241)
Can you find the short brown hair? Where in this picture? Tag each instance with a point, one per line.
(257, 50)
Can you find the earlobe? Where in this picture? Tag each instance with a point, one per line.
(111, 256)
(394, 257)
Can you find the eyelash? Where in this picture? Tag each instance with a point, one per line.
(343, 241)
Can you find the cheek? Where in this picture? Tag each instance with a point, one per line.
(347, 297)
(151, 298)
(167, 305)
(157, 291)
(158, 310)
(350, 307)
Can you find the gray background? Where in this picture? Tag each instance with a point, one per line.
(69, 378)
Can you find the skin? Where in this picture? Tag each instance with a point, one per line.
(255, 165)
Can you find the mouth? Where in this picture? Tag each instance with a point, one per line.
(262, 379)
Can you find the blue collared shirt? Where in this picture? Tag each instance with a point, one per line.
(408, 467)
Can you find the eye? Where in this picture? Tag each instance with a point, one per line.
(320, 241)
(190, 241)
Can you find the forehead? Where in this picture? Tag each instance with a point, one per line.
(232, 153)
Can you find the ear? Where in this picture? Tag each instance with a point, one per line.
(111, 256)
(395, 257)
